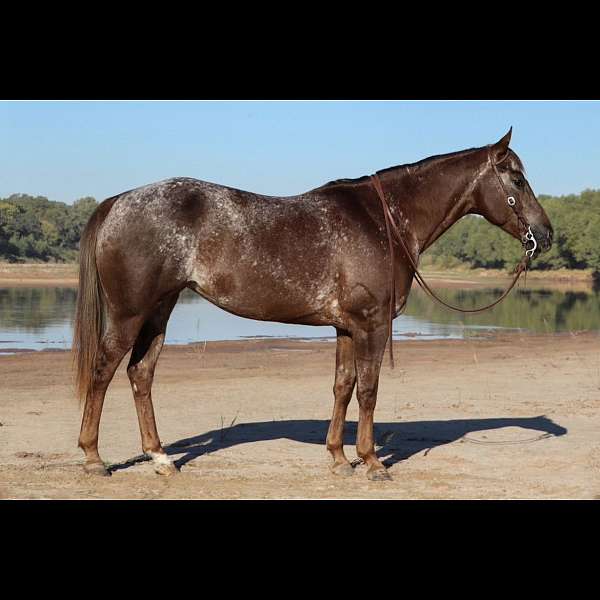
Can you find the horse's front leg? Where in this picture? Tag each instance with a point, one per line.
(369, 348)
(345, 378)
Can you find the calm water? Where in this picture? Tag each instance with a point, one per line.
(41, 318)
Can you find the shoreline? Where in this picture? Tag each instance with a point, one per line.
(66, 275)
(39, 274)
(299, 344)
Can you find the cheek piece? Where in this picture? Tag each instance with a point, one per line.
(512, 202)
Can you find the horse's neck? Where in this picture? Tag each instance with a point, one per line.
(428, 200)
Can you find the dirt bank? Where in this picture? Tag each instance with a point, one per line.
(53, 274)
(510, 417)
(561, 279)
(38, 274)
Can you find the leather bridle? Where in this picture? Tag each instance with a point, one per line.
(394, 232)
(517, 209)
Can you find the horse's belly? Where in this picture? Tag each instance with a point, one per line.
(264, 298)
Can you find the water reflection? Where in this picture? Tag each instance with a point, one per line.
(42, 317)
(35, 309)
(540, 311)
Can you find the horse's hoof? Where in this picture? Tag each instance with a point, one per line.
(343, 470)
(166, 470)
(379, 474)
(162, 464)
(96, 468)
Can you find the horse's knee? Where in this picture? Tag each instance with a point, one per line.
(344, 383)
(367, 394)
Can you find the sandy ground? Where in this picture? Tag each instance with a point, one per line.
(513, 416)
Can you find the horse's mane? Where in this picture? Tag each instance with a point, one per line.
(415, 165)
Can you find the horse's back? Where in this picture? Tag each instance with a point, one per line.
(274, 258)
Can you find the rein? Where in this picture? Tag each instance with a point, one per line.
(394, 232)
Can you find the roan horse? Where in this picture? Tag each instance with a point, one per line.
(319, 258)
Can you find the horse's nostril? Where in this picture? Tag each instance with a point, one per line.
(547, 240)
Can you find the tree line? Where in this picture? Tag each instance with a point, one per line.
(38, 229)
(35, 228)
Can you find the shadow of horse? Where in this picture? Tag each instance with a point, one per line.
(394, 441)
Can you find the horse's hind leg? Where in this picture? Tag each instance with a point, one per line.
(115, 343)
(141, 367)
(345, 378)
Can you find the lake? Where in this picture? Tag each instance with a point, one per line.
(40, 318)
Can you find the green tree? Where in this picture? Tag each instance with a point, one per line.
(35, 228)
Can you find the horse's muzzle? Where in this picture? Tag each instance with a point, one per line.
(543, 236)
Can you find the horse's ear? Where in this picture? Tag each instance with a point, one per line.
(500, 148)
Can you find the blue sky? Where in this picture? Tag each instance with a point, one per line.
(68, 149)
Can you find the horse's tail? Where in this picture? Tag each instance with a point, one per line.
(89, 314)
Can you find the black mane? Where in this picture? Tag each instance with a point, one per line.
(420, 163)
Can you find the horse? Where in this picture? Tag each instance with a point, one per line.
(319, 258)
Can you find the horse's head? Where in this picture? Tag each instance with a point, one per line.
(505, 198)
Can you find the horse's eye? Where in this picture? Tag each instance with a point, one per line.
(518, 182)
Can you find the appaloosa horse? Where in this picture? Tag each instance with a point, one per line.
(319, 258)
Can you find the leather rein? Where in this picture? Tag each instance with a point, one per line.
(393, 232)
